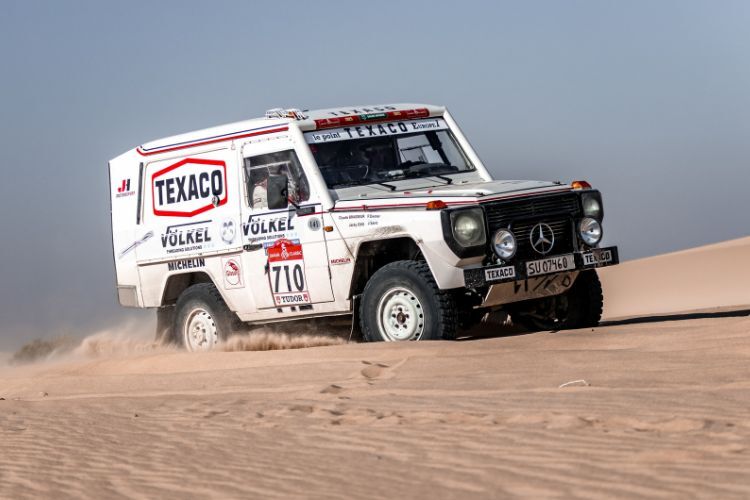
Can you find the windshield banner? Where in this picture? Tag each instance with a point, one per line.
(364, 131)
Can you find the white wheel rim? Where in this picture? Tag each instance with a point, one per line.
(200, 331)
(400, 315)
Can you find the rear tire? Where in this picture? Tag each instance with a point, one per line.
(579, 307)
(402, 302)
(202, 318)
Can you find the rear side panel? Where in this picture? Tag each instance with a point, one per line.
(123, 179)
(189, 209)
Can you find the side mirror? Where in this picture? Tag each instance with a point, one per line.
(278, 191)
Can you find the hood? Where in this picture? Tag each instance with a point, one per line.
(434, 188)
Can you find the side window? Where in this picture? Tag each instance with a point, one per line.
(258, 168)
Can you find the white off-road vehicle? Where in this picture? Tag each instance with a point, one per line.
(384, 213)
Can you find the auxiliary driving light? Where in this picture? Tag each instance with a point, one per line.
(504, 244)
(590, 231)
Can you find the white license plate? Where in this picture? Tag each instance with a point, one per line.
(499, 273)
(550, 265)
(597, 257)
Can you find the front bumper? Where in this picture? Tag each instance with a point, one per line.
(576, 261)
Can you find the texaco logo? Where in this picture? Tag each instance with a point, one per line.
(542, 238)
(227, 231)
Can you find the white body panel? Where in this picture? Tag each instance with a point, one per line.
(181, 206)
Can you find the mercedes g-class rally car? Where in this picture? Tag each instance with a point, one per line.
(385, 213)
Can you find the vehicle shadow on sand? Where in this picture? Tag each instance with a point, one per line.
(659, 318)
(500, 325)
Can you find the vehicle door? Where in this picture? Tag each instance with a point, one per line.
(285, 257)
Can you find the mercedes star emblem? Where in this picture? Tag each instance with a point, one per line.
(542, 238)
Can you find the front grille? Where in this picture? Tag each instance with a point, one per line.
(520, 216)
(563, 238)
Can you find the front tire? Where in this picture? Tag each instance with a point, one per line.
(402, 302)
(202, 318)
(579, 307)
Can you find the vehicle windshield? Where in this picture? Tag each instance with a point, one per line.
(387, 152)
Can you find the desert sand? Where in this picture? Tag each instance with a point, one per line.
(640, 407)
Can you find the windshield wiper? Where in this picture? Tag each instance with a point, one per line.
(415, 169)
(354, 184)
(447, 180)
(384, 184)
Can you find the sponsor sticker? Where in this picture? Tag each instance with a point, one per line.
(340, 261)
(135, 244)
(375, 130)
(232, 273)
(124, 190)
(359, 111)
(188, 237)
(286, 273)
(179, 265)
(499, 273)
(228, 231)
(189, 187)
(269, 228)
(597, 257)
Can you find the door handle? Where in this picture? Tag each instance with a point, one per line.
(253, 247)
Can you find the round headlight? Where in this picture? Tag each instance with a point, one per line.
(468, 228)
(592, 207)
(590, 231)
(504, 244)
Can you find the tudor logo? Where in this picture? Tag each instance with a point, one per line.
(542, 238)
(189, 187)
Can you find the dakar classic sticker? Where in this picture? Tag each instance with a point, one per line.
(286, 273)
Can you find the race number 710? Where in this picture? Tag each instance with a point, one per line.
(286, 277)
(296, 275)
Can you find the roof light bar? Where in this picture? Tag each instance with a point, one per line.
(286, 113)
(341, 121)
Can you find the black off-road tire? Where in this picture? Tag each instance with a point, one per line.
(437, 307)
(206, 297)
(579, 307)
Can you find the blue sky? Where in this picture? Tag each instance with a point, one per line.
(649, 101)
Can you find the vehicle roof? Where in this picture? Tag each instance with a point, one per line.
(323, 114)
(259, 126)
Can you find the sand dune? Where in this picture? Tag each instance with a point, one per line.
(710, 277)
(654, 409)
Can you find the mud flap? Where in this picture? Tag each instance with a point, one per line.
(355, 317)
(165, 324)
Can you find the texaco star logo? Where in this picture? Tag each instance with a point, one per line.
(542, 238)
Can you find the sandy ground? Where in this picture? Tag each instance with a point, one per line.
(652, 409)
